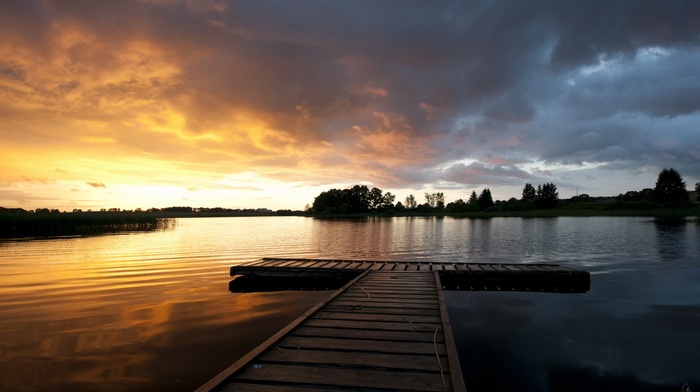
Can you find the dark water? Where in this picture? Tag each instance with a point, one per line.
(152, 311)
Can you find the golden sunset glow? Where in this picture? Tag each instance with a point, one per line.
(142, 104)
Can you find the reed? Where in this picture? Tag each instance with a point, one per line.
(56, 224)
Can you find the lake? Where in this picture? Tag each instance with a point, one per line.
(152, 312)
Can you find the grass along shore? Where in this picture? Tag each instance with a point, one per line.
(661, 213)
(15, 224)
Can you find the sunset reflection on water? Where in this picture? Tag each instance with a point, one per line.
(128, 312)
(153, 311)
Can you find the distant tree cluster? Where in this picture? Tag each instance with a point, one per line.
(670, 187)
(482, 202)
(356, 200)
(669, 191)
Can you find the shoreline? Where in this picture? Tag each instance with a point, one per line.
(18, 225)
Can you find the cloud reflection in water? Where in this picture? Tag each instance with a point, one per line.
(609, 339)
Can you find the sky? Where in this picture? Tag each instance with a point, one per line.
(265, 104)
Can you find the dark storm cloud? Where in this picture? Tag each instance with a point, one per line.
(477, 174)
(577, 82)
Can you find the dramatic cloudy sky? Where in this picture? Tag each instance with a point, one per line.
(247, 104)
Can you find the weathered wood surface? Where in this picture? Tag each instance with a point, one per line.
(453, 276)
(384, 331)
(387, 329)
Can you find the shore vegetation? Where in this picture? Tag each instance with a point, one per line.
(669, 198)
(19, 223)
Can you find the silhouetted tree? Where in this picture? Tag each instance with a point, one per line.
(411, 202)
(529, 192)
(461, 206)
(485, 199)
(697, 189)
(358, 199)
(439, 200)
(375, 198)
(473, 199)
(547, 196)
(330, 202)
(456, 206)
(670, 186)
(430, 199)
(387, 201)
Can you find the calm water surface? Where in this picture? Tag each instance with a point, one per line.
(151, 311)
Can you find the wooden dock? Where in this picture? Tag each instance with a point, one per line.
(386, 329)
(453, 276)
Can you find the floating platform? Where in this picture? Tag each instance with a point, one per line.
(385, 329)
(267, 274)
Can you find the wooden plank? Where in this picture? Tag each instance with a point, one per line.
(284, 263)
(395, 280)
(498, 267)
(320, 264)
(391, 293)
(298, 264)
(380, 318)
(255, 262)
(241, 363)
(342, 303)
(366, 265)
(345, 377)
(391, 283)
(354, 265)
(361, 345)
(455, 369)
(343, 264)
(270, 263)
(398, 288)
(424, 299)
(392, 300)
(359, 324)
(382, 310)
(399, 276)
(340, 358)
(384, 302)
(398, 292)
(449, 267)
(331, 265)
(406, 336)
(255, 387)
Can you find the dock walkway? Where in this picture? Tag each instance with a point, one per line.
(387, 329)
(383, 331)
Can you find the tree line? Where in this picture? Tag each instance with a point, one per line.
(669, 191)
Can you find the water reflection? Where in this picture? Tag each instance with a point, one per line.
(670, 238)
(600, 341)
(130, 348)
(153, 312)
